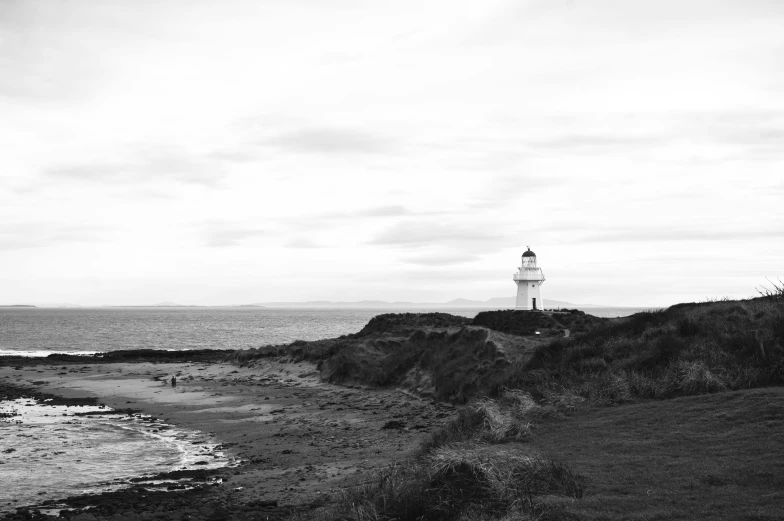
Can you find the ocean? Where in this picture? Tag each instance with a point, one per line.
(42, 331)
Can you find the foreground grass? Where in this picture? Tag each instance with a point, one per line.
(718, 456)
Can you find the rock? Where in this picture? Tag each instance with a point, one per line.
(263, 504)
(84, 516)
(215, 512)
(123, 517)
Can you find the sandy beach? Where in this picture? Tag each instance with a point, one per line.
(293, 439)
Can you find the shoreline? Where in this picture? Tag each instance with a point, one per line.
(296, 440)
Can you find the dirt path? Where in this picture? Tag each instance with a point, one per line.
(296, 438)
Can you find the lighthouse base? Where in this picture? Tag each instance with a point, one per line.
(529, 296)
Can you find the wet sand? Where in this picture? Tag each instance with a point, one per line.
(295, 438)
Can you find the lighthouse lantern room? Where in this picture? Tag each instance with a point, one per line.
(529, 279)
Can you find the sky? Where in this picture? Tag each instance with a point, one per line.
(232, 152)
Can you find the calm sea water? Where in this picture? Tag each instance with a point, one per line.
(41, 331)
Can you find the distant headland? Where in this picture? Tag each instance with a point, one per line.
(493, 303)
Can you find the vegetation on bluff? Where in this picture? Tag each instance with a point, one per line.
(523, 450)
(516, 322)
(685, 349)
(433, 354)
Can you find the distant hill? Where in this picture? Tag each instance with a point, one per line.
(493, 303)
(162, 305)
(16, 306)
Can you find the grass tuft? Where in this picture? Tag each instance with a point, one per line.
(457, 482)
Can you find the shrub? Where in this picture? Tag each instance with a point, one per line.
(500, 424)
(485, 420)
(456, 482)
(775, 292)
(695, 378)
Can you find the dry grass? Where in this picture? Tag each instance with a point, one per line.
(459, 482)
(686, 349)
(501, 424)
(775, 290)
(509, 418)
(505, 476)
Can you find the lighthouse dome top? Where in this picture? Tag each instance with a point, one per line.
(529, 253)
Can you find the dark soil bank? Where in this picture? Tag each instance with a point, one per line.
(201, 502)
(130, 355)
(13, 392)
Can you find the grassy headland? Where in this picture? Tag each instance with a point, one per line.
(660, 415)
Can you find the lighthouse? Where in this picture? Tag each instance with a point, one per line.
(529, 279)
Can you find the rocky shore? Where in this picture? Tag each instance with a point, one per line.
(294, 439)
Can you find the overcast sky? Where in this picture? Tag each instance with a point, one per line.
(230, 152)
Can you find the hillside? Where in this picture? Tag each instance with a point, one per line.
(685, 349)
(435, 355)
(523, 323)
(654, 416)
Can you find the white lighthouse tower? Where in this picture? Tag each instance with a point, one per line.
(529, 279)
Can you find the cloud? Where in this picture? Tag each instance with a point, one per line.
(143, 164)
(331, 141)
(392, 210)
(328, 219)
(304, 243)
(15, 236)
(440, 259)
(505, 189)
(234, 156)
(596, 143)
(600, 20)
(65, 51)
(425, 234)
(437, 275)
(36, 66)
(773, 189)
(222, 235)
(761, 133)
(665, 234)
